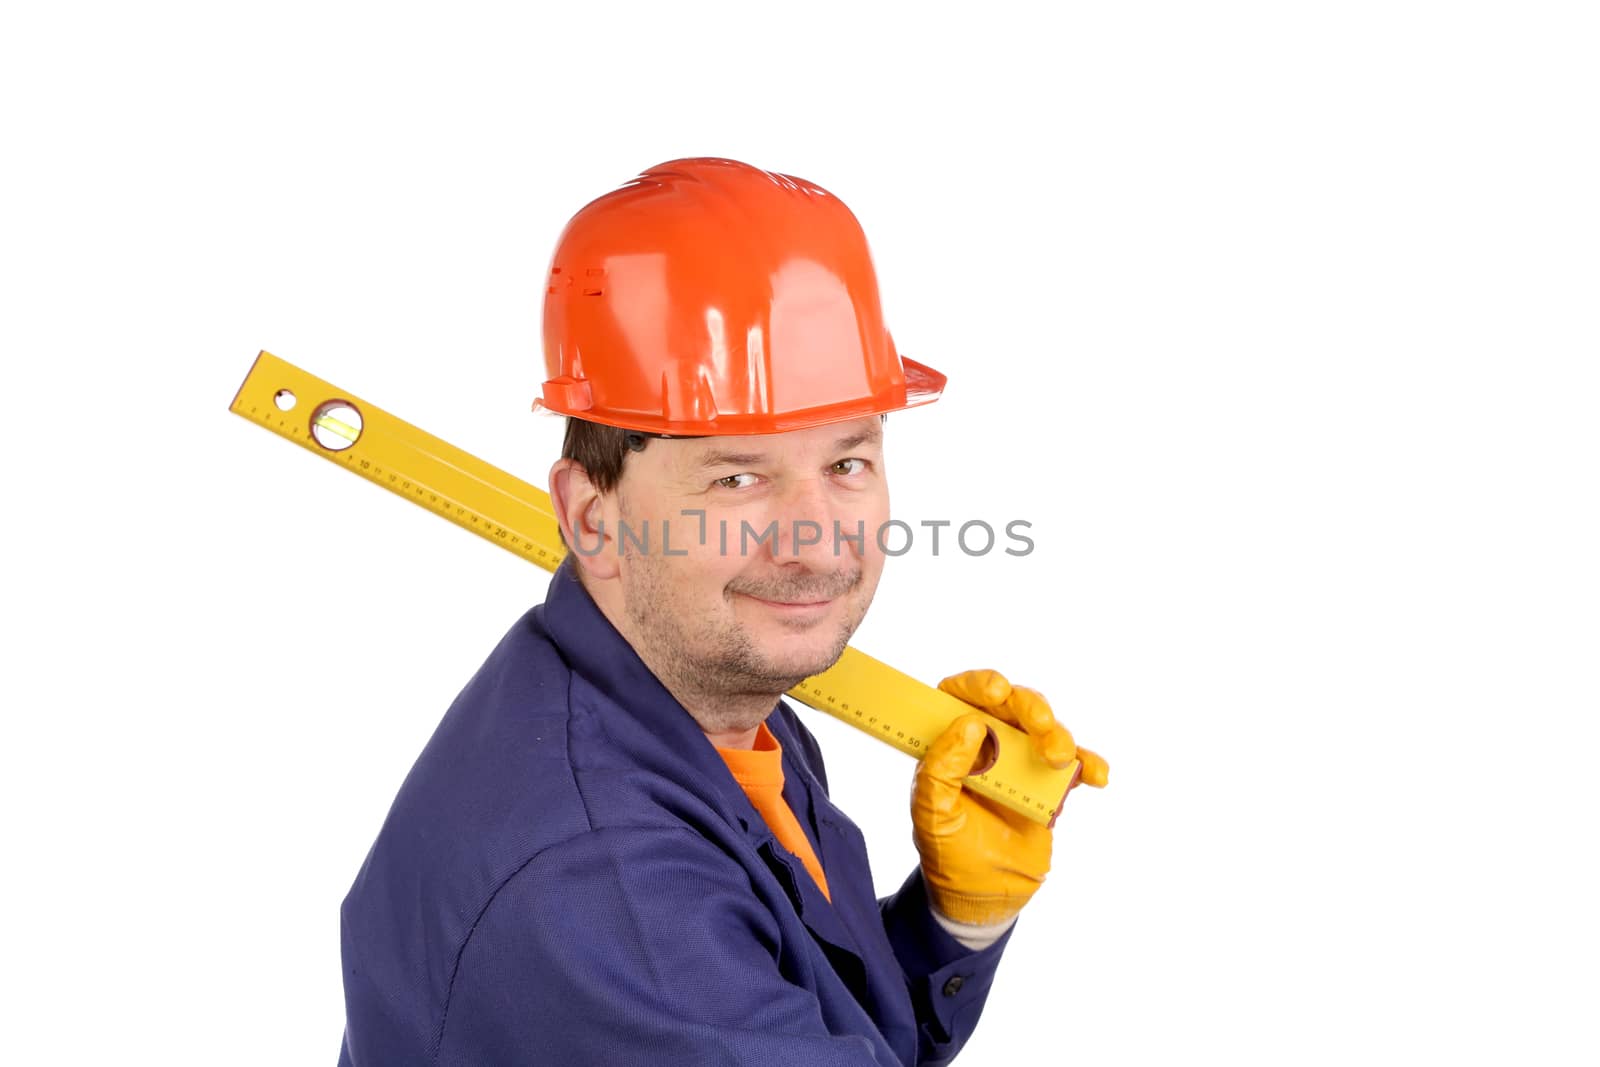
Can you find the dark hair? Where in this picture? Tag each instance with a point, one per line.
(599, 450)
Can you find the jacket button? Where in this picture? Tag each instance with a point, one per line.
(953, 986)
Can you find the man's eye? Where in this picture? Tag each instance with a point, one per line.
(849, 466)
(732, 481)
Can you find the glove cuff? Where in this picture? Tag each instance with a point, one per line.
(974, 937)
(974, 909)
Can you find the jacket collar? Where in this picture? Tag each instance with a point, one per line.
(594, 649)
(659, 732)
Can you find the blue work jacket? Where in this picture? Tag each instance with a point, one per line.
(570, 875)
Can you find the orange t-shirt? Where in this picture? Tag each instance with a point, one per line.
(759, 772)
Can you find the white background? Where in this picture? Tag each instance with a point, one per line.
(1278, 322)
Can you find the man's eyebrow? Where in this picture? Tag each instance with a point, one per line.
(724, 458)
(730, 459)
(873, 435)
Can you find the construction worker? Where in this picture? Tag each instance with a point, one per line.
(618, 847)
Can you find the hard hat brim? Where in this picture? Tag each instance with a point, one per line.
(923, 385)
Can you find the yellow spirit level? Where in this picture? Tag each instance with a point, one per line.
(501, 508)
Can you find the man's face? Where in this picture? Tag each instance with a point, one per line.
(739, 602)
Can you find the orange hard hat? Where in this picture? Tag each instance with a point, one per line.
(708, 297)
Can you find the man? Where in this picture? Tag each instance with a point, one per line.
(618, 847)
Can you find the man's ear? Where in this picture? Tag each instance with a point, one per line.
(580, 509)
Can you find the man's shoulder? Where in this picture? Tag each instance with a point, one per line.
(493, 783)
(528, 756)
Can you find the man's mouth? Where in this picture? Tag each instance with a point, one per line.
(820, 593)
(791, 605)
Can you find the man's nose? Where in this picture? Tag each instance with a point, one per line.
(806, 520)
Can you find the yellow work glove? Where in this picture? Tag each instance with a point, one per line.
(981, 861)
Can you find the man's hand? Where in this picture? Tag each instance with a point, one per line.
(982, 862)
